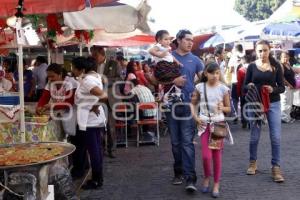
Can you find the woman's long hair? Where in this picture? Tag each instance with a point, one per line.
(130, 69)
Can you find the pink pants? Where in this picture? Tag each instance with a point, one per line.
(208, 155)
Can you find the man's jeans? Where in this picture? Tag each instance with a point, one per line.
(274, 122)
(181, 128)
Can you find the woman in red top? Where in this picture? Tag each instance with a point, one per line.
(59, 91)
(140, 74)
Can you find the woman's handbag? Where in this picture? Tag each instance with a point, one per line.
(219, 129)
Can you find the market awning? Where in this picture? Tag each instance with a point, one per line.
(138, 40)
(282, 31)
(199, 39)
(8, 7)
(287, 12)
(4, 52)
(113, 18)
(221, 37)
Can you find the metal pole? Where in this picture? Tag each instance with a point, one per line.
(21, 93)
(80, 48)
(49, 55)
(21, 79)
(89, 50)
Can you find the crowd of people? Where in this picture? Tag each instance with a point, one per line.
(197, 94)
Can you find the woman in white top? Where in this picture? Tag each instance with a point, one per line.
(213, 111)
(5, 85)
(91, 120)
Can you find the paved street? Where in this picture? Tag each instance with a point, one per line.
(145, 173)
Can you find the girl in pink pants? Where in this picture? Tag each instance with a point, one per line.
(205, 112)
(209, 155)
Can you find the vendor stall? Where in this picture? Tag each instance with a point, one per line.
(38, 128)
(35, 132)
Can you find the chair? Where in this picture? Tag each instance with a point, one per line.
(154, 121)
(121, 123)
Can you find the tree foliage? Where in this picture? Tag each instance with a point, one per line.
(254, 10)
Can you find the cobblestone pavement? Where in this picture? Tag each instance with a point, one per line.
(145, 173)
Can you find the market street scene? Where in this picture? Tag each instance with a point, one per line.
(146, 173)
(148, 99)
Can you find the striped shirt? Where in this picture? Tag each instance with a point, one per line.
(145, 95)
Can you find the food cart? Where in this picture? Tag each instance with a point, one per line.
(26, 167)
(38, 128)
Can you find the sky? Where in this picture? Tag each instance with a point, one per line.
(173, 15)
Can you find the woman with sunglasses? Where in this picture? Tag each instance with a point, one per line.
(265, 76)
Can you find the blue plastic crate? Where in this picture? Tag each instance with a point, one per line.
(9, 100)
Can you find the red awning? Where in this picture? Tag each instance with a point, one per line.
(4, 52)
(138, 40)
(8, 7)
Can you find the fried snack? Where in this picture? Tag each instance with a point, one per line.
(35, 153)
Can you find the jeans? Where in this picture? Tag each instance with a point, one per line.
(182, 135)
(274, 122)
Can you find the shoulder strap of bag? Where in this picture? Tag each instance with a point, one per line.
(206, 101)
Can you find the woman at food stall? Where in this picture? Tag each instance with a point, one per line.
(58, 97)
(60, 89)
(91, 121)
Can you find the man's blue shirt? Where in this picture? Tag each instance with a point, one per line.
(191, 66)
